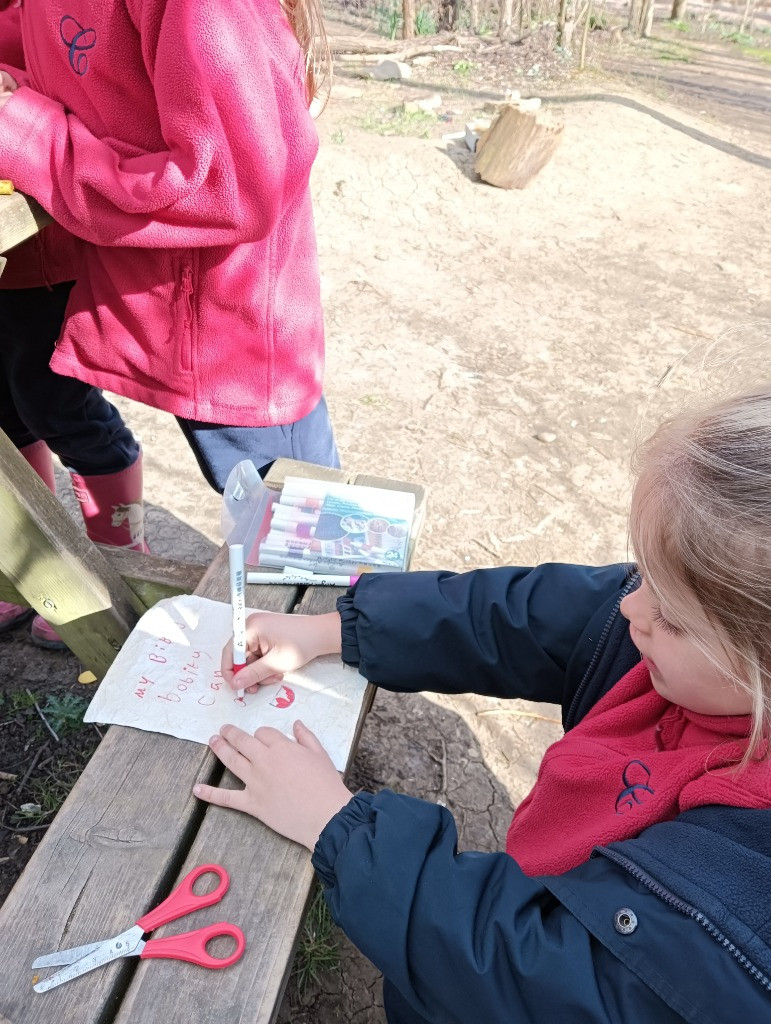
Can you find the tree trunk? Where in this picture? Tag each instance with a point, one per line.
(584, 36)
(678, 10)
(749, 15)
(561, 18)
(633, 16)
(474, 16)
(408, 17)
(646, 19)
(505, 32)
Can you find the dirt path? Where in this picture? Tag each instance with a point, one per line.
(716, 81)
(504, 348)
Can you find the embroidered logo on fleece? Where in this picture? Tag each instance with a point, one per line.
(635, 777)
(77, 40)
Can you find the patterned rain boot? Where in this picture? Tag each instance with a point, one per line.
(38, 455)
(112, 507)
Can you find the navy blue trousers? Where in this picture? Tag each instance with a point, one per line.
(87, 432)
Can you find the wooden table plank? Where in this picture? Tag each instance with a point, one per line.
(21, 217)
(271, 877)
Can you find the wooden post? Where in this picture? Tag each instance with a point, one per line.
(20, 218)
(56, 568)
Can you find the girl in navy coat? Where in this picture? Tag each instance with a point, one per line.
(635, 886)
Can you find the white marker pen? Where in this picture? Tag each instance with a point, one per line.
(237, 600)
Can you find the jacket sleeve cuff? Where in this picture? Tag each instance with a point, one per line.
(348, 616)
(335, 834)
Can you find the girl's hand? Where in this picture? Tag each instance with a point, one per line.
(8, 86)
(293, 787)
(280, 643)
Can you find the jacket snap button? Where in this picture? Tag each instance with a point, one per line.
(625, 921)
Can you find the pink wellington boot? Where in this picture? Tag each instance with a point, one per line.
(112, 507)
(38, 455)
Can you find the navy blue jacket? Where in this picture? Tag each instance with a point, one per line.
(674, 925)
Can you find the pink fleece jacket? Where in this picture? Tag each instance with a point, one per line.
(174, 137)
(52, 255)
(633, 761)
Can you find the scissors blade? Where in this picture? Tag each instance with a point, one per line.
(125, 944)
(65, 956)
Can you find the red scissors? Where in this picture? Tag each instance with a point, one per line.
(190, 946)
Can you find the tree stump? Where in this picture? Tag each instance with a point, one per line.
(515, 147)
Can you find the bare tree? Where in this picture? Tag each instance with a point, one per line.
(473, 11)
(505, 18)
(408, 19)
(646, 18)
(678, 10)
(747, 16)
(566, 23)
(585, 35)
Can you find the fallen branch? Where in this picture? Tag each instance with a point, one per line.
(385, 47)
(519, 714)
(45, 720)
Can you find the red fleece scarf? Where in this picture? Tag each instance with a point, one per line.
(634, 760)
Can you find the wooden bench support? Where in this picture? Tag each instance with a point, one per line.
(57, 570)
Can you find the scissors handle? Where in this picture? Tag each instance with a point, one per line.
(183, 900)
(191, 946)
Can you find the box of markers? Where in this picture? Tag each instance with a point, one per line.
(327, 527)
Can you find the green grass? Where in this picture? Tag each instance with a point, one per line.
(463, 67)
(425, 22)
(758, 52)
(19, 700)
(677, 53)
(318, 950)
(398, 121)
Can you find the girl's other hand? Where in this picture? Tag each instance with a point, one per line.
(8, 86)
(278, 643)
(293, 787)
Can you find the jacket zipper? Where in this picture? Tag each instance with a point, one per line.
(187, 327)
(686, 909)
(600, 643)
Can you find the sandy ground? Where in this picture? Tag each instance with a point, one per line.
(465, 322)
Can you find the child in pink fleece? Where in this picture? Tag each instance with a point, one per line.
(174, 138)
(42, 412)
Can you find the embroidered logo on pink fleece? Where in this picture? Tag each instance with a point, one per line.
(635, 777)
(77, 40)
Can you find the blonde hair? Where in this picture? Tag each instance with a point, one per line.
(307, 20)
(701, 532)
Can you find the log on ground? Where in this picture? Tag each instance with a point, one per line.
(516, 147)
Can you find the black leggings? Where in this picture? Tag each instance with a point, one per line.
(74, 419)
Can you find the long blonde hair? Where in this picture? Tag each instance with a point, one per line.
(307, 20)
(701, 529)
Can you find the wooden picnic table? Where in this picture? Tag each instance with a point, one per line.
(130, 828)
